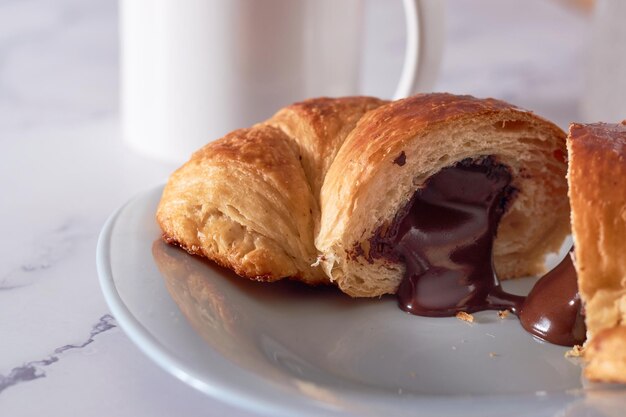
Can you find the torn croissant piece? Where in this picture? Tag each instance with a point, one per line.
(597, 175)
(306, 193)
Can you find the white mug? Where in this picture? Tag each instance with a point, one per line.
(194, 70)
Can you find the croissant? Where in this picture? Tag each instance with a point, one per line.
(313, 192)
(597, 175)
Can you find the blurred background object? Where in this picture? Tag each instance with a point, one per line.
(585, 6)
(605, 89)
(531, 53)
(193, 71)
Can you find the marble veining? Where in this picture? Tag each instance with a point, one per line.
(39, 83)
(34, 369)
(44, 253)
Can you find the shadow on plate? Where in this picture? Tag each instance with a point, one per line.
(272, 329)
(317, 338)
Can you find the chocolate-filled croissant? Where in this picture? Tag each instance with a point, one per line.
(305, 194)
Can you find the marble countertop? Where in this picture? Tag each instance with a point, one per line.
(64, 169)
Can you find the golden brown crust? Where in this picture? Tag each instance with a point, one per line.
(306, 188)
(319, 127)
(597, 192)
(597, 156)
(244, 207)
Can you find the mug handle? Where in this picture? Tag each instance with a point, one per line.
(424, 20)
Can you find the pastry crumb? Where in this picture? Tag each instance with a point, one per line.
(462, 315)
(318, 261)
(503, 314)
(576, 352)
(493, 354)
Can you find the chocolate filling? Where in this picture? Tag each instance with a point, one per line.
(445, 238)
(401, 159)
(553, 309)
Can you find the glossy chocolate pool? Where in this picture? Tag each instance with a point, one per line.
(445, 237)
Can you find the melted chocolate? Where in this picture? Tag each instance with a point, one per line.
(401, 159)
(553, 309)
(445, 238)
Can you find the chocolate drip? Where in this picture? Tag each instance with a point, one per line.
(553, 309)
(445, 238)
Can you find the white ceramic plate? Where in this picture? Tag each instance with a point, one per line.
(287, 349)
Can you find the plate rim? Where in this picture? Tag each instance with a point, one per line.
(227, 391)
(150, 345)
